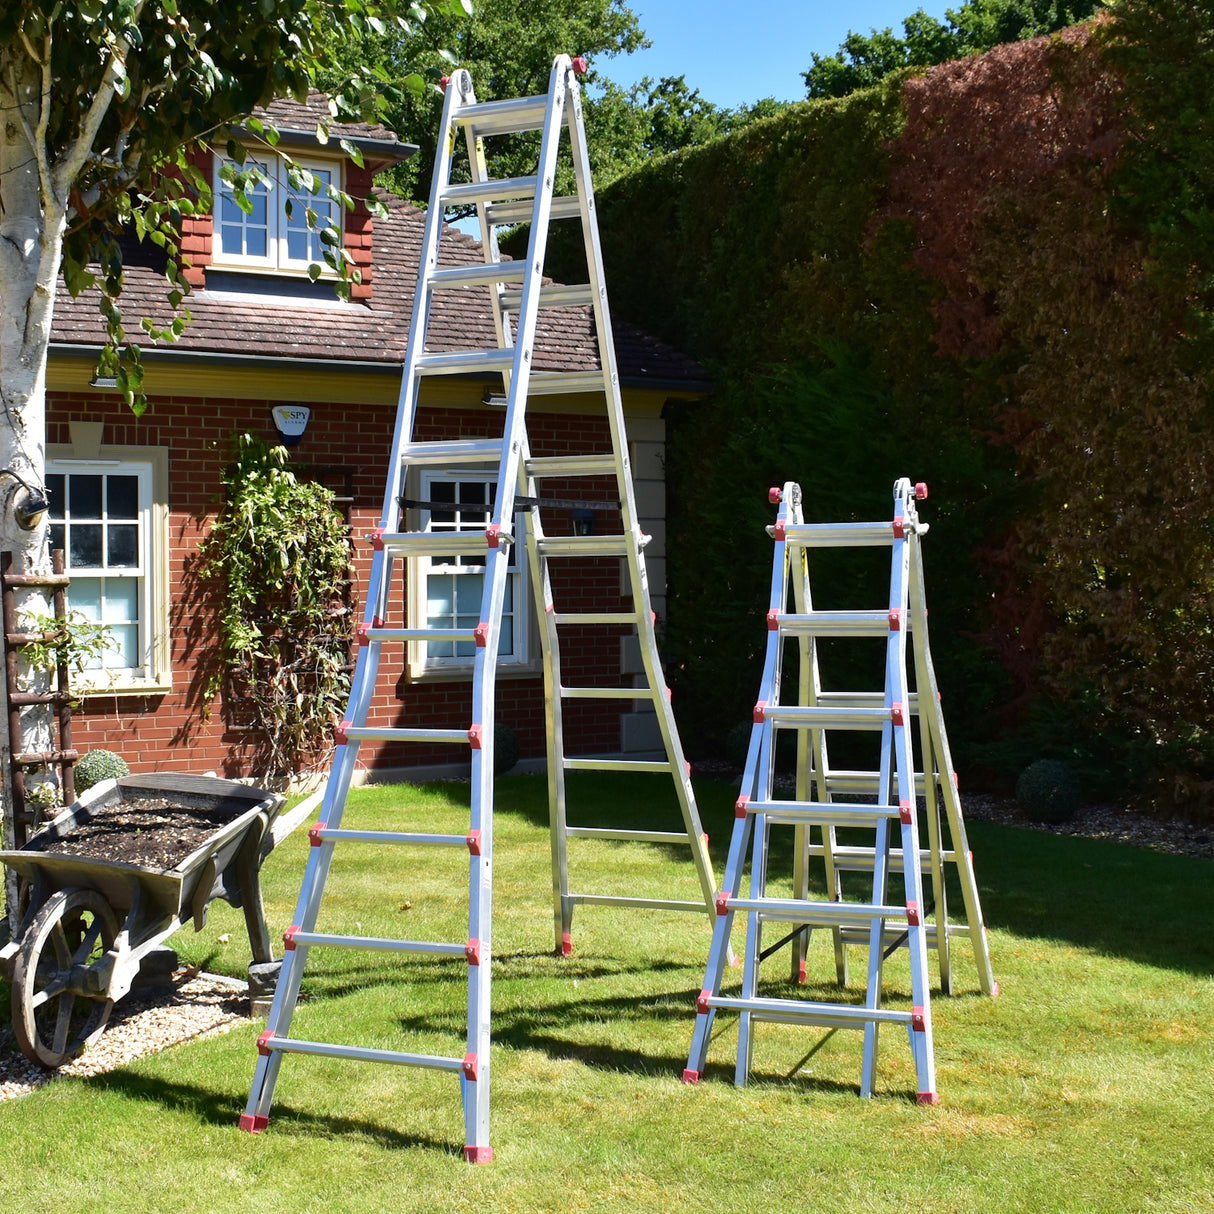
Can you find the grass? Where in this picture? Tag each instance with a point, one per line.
(1086, 1086)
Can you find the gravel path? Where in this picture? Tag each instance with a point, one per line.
(145, 1022)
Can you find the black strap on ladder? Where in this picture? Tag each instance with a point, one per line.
(407, 532)
(828, 799)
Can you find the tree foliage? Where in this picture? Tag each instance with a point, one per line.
(977, 26)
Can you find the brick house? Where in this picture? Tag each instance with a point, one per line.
(263, 335)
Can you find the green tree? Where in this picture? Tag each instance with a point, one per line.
(976, 26)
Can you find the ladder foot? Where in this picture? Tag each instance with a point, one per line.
(994, 990)
(478, 1154)
(253, 1124)
(929, 1098)
(801, 974)
(566, 944)
(691, 1076)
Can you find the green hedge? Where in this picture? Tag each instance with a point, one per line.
(996, 277)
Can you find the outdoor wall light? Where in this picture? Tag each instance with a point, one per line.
(29, 504)
(582, 522)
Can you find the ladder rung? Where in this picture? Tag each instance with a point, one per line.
(341, 835)
(836, 624)
(504, 117)
(557, 296)
(595, 617)
(465, 362)
(358, 1053)
(895, 935)
(831, 813)
(436, 543)
(584, 545)
(549, 383)
(606, 693)
(865, 782)
(572, 465)
(384, 733)
(509, 213)
(862, 699)
(486, 274)
(627, 836)
(860, 859)
(468, 193)
(794, 1011)
(377, 636)
(382, 943)
(672, 904)
(453, 451)
(797, 717)
(591, 764)
(816, 914)
(839, 535)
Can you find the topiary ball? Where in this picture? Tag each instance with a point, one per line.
(505, 748)
(99, 765)
(1047, 791)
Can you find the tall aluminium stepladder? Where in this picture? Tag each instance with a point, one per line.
(517, 292)
(827, 800)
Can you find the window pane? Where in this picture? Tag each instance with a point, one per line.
(122, 496)
(124, 647)
(54, 494)
(255, 242)
(438, 600)
(121, 600)
(56, 536)
(85, 543)
(468, 591)
(84, 494)
(84, 596)
(297, 245)
(123, 546)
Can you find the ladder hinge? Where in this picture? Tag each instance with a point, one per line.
(779, 533)
(899, 527)
(775, 495)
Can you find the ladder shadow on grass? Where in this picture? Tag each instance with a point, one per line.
(220, 1108)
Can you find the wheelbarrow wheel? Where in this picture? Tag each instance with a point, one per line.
(56, 1013)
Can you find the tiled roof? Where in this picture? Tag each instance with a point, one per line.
(323, 328)
(289, 115)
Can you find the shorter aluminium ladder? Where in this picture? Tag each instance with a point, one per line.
(826, 801)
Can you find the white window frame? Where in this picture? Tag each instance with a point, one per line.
(421, 664)
(279, 226)
(152, 674)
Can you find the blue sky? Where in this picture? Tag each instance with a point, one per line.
(738, 52)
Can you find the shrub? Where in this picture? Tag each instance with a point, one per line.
(99, 765)
(1047, 791)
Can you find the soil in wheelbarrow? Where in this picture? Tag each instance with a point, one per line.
(153, 833)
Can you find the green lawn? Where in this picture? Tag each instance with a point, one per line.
(1088, 1085)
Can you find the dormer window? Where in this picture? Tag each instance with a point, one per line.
(275, 233)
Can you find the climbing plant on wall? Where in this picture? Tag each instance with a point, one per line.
(277, 564)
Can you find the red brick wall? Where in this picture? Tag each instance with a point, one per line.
(169, 732)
